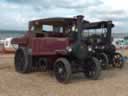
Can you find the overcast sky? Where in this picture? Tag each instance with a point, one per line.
(15, 14)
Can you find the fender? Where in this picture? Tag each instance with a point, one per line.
(61, 52)
(20, 41)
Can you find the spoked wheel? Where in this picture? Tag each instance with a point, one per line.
(103, 58)
(94, 69)
(118, 61)
(62, 69)
(22, 61)
(43, 64)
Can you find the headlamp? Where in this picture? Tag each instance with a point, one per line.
(89, 48)
(68, 48)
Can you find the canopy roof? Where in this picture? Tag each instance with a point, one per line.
(97, 25)
(56, 21)
(60, 21)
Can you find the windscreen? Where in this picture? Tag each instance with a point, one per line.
(89, 32)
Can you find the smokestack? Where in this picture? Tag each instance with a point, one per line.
(79, 25)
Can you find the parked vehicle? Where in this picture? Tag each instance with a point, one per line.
(6, 47)
(56, 44)
(99, 35)
(120, 43)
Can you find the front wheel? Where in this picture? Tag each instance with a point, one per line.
(62, 69)
(118, 61)
(93, 69)
(103, 58)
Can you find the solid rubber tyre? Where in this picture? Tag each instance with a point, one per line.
(94, 69)
(105, 60)
(23, 61)
(62, 69)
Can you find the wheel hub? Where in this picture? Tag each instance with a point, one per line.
(60, 70)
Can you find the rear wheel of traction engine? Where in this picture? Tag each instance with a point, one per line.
(93, 69)
(103, 58)
(23, 61)
(62, 69)
(43, 64)
(118, 61)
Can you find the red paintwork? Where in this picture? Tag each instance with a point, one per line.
(48, 45)
(20, 41)
(42, 46)
(25, 40)
(51, 43)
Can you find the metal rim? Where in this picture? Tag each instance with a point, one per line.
(60, 71)
(103, 59)
(91, 69)
(117, 61)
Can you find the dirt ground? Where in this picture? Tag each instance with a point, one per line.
(113, 82)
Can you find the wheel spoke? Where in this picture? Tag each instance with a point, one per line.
(118, 61)
(62, 70)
